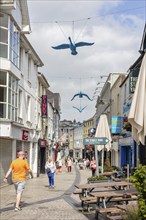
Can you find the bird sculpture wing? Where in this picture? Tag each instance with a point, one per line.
(77, 108)
(75, 96)
(84, 108)
(81, 44)
(87, 96)
(80, 109)
(62, 46)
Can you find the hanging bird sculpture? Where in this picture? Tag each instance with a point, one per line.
(80, 109)
(80, 94)
(72, 46)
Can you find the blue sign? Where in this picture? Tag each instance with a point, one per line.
(117, 124)
(95, 141)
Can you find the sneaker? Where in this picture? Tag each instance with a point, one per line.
(17, 209)
(53, 187)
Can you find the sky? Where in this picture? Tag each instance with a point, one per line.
(114, 26)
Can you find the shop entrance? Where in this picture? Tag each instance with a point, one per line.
(42, 159)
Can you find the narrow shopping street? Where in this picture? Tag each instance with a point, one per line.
(39, 202)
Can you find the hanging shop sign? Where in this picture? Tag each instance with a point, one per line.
(133, 79)
(44, 106)
(42, 143)
(24, 135)
(117, 123)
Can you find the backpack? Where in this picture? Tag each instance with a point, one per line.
(48, 171)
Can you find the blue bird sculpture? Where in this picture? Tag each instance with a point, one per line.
(72, 46)
(80, 94)
(80, 109)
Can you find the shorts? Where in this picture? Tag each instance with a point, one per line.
(19, 186)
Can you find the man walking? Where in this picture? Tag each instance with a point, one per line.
(18, 168)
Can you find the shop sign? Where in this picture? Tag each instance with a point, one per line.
(117, 124)
(24, 135)
(128, 141)
(133, 79)
(44, 106)
(42, 143)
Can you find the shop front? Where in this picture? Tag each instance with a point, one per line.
(127, 152)
(42, 155)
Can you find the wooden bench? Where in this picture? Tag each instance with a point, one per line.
(116, 217)
(108, 211)
(78, 192)
(86, 201)
(122, 199)
(88, 198)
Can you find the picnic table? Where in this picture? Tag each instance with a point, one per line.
(106, 197)
(89, 187)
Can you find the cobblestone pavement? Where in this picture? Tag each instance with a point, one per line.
(39, 202)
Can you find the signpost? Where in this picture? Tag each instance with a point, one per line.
(96, 141)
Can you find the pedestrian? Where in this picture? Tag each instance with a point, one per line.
(18, 167)
(50, 168)
(69, 164)
(59, 165)
(93, 166)
(87, 163)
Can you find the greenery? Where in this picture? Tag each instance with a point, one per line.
(108, 167)
(131, 215)
(139, 180)
(93, 178)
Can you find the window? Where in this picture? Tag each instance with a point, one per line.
(9, 40)
(3, 35)
(14, 44)
(3, 94)
(28, 108)
(29, 69)
(8, 96)
(12, 98)
(20, 104)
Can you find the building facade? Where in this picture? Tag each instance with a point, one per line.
(18, 87)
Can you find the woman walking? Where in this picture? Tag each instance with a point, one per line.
(69, 164)
(50, 168)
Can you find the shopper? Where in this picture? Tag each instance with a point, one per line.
(69, 164)
(50, 168)
(18, 168)
(93, 166)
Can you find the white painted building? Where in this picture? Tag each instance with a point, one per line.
(18, 87)
(78, 141)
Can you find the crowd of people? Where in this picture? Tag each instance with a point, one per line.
(19, 168)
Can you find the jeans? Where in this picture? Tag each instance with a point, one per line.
(51, 179)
